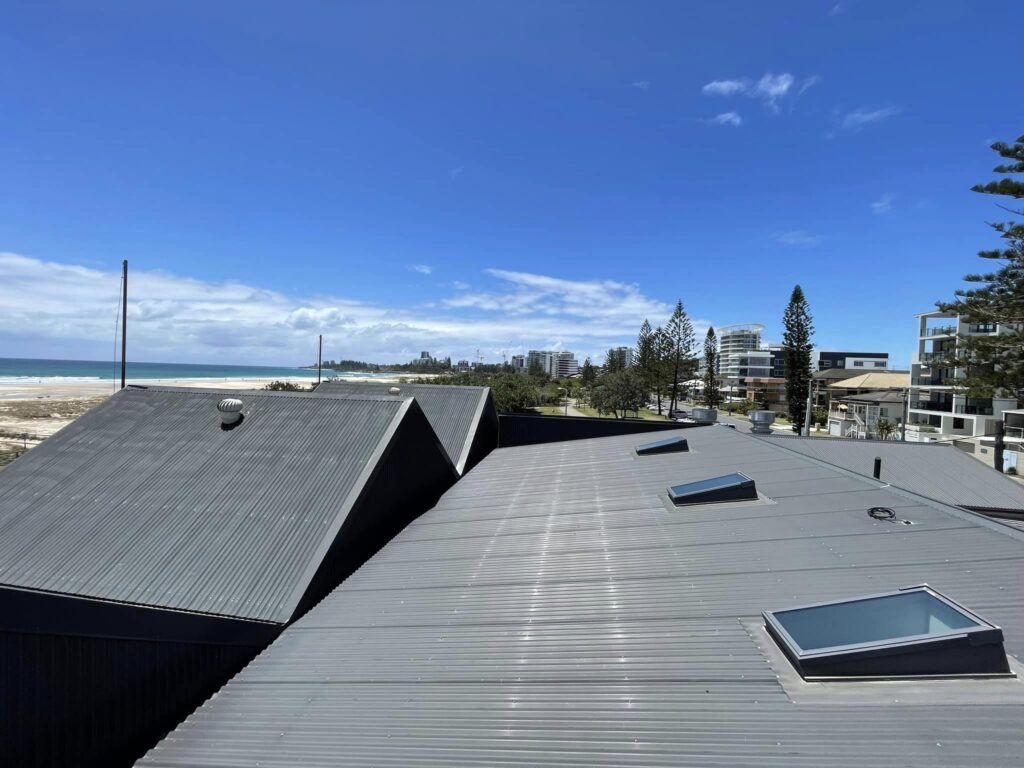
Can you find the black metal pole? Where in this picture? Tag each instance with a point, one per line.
(124, 320)
(319, 358)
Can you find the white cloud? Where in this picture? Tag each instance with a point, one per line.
(798, 237)
(837, 9)
(423, 269)
(856, 119)
(726, 118)
(642, 85)
(770, 89)
(882, 204)
(726, 87)
(65, 310)
(458, 285)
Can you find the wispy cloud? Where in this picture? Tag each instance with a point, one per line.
(882, 204)
(837, 10)
(770, 89)
(423, 269)
(725, 87)
(642, 85)
(726, 118)
(458, 285)
(456, 172)
(799, 238)
(856, 119)
(68, 310)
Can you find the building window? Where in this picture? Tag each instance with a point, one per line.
(958, 423)
(879, 364)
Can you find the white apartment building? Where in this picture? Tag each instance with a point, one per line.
(557, 364)
(936, 411)
(735, 343)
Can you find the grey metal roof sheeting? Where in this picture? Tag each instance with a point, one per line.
(145, 499)
(552, 610)
(453, 411)
(936, 471)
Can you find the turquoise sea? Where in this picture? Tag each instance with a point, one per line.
(21, 369)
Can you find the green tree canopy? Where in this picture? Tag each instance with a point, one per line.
(995, 363)
(712, 394)
(619, 393)
(796, 340)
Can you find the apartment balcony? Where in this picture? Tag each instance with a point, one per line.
(982, 328)
(975, 409)
(942, 406)
(933, 381)
(938, 356)
(944, 330)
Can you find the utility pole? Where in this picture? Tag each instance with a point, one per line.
(319, 358)
(124, 321)
(807, 412)
(906, 415)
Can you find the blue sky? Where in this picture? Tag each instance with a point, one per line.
(460, 175)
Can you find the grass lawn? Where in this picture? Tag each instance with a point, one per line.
(586, 410)
(550, 410)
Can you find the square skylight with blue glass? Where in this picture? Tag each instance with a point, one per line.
(913, 632)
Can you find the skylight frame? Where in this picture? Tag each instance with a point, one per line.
(744, 490)
(983, 633)
(675, 444)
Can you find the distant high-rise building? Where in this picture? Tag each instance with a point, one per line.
(624, 356)
(557, 364)
(424, 355)
(735, 342)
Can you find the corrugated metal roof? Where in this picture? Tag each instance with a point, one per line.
(145, 499)
(934, 470)
(453, 411)
(552, 610)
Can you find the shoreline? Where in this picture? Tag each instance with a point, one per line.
(71, 388)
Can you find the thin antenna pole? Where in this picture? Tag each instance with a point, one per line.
(124, 321)
(319, 358)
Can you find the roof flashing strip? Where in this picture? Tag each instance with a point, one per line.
(714, 490)
(669, 445)
(914, 632)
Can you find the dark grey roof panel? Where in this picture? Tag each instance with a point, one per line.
(454, 412)
(937, 471)
(147, 500)
(552, 610)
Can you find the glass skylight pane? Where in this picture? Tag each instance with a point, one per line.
(669, 445)
(877, 619)
(712, 483)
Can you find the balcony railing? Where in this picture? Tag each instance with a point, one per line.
(975, 410)
(933, 381)
(981, 328)
(932, 405)
(945, 330)
(938, 356)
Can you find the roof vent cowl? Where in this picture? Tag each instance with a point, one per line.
(230, 411)
(395, 391)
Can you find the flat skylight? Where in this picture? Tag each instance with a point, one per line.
(733, 487)
(914, 632)
(669, 445)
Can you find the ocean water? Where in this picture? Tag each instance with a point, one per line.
(18, 369)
